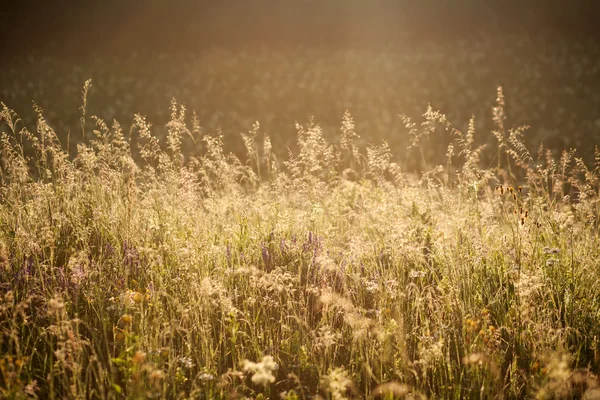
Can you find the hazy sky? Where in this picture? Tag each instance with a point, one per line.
(181, 24)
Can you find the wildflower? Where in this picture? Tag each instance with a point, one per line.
(31, 388)
(337, 383)
(78, 265)
(138, 297)
(206, 377)
(186, 362)
(55, 304)
(471, 325)
(549, 250)
(77, 275)
(414, 274)
(262, 371)
(156, 375)
(371, 286)
(551, 262)
(139, 357)
(520, 189)
(124, 321)
(430, 351)
(326, 338)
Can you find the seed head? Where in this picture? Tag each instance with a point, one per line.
(124, 321)
(138, 297)
(139, 357)
(120, 336)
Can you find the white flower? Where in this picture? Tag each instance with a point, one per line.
(414, 274)
(262, 371)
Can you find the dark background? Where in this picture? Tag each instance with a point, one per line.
(376, 58)
(79, 27)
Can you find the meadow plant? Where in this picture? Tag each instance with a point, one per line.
(134, 269)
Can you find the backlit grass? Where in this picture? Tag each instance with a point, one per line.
(133, 271)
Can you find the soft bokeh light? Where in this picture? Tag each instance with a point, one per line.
(299, 199)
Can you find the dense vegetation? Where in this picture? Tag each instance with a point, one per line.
(134, 269)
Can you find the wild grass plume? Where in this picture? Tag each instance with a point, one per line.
(134, 268)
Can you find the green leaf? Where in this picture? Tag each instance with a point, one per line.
(117, 388)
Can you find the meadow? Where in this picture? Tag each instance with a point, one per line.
(396, 256)
(550, 81)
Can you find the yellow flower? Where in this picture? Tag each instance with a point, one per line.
(124, 321)
(138, 297)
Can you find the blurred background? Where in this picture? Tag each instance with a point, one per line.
(234, 62)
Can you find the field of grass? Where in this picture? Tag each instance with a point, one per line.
(135, 269)
(550, 80)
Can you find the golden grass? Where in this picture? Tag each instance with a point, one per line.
(133, 271)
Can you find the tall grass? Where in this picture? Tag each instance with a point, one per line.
(133, 271)
(550, 84)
